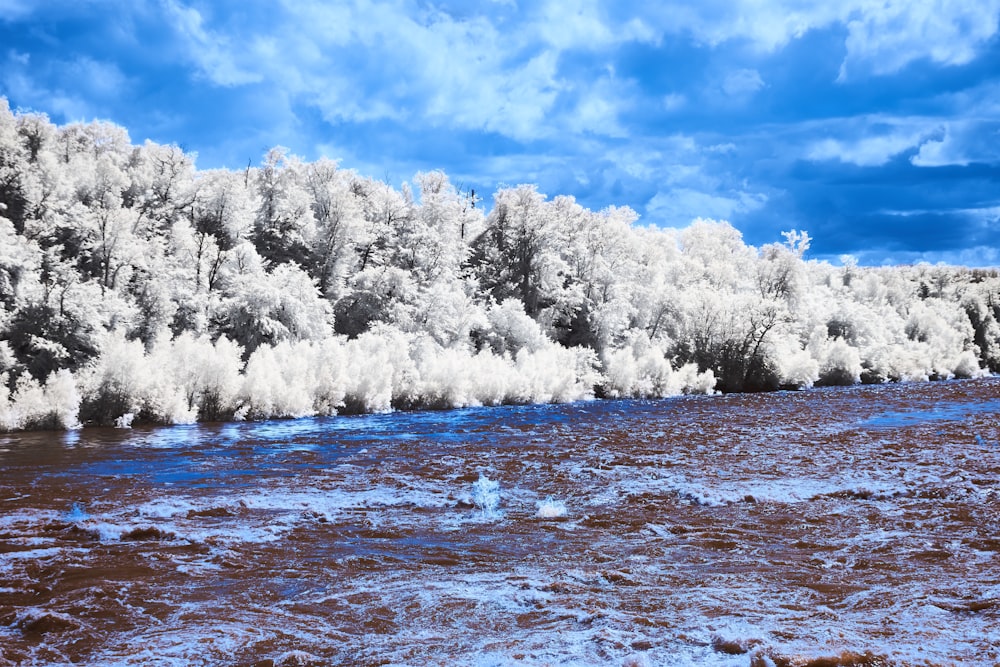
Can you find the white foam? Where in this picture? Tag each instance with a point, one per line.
(30, 554)
(550, 508)
(165, 508)
(27, 516)
(260, 517)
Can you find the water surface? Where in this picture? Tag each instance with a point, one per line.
(861, 523)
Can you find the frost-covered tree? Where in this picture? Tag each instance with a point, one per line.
(339, 219)
(981, 302)
(264, 308)
(517, 255)
(132, 283)
(160, 186)
(603, 256)
(14, 203)
(283, 226)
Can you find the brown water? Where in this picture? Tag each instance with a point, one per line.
(860, 526)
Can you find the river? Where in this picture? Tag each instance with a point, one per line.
(848, 526)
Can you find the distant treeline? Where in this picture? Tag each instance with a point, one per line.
(134, 285)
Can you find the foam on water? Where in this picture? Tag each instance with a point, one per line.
(28, 554)
(252, 517)
(550, 508)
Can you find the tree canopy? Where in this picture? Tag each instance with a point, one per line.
(132, 283)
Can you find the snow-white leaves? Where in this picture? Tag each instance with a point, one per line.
(132, 284)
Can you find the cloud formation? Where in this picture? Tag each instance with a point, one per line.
(832, 117)
(888, 36)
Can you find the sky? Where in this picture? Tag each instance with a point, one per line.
(874, 125)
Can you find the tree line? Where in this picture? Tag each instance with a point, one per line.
(133, 285)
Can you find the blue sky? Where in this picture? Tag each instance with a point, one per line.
(872, 124)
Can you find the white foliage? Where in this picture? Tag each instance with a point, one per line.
(19, 260)
(378, 368)
(495, 378)
(966, 365)
(295, 379)
(641, 369)
(327, 362)
(10, 413)
(715, 252)
(63, 399)
(118, 377)
(796, 367)
(513, 330)
(156, 281)
(555, 374)
(214, 377)
(909, 361)
(266, 308)
(7, 358)
(198, 377)
(447, 375)
(275, 383)
(695, 381)
(448, 314)
(56, 404)
(842, 363)
(163, 399)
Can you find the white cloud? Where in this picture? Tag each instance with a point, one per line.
(518, 105)
(865, 152)
(497, 67)
(768, 26)
(882, 36)
(714, 22)
(886, 36)
(73, 94)
(742, 83)
(212, 51)
(100, 78)
(727, 148)
(939, 153)
(567, 25)
(14, 10)
(976, 256)
(674, 101)
(490, 68)
(678, 207)
(964, 141)
(598, 107)
(670, 160)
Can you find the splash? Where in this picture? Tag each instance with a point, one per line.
(486, 496)
(77, 514)
(551, 509)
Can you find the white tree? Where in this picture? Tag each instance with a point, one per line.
(284, 225)
(339, 219)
